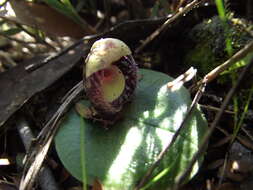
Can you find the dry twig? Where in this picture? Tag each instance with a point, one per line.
(236, 57)
(166, 24)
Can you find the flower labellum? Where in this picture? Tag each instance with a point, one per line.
(110, 76)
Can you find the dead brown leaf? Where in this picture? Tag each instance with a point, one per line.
(47, 19)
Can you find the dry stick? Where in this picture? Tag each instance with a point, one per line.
(236, 57)
(179, 13)
(245, 142)
(240, 138)
(181, 127)
(24, 43)
(45, 176)
(221, 68)
(215, 109)
(247, 133)
(37, 38)
(211, 128)
(44, 140)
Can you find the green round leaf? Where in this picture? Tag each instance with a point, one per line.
(119, 156)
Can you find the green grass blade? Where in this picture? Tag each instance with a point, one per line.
(229, 49)
(82, 154)
(245, 110)
(158, 176)
(11, 31)
(66, 8)
(221, 9)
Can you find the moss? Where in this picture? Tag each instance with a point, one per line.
(209, 39)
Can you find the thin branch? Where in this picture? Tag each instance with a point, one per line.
(24, 43)
(221, 68)
(37, 38)
(247, 133)
(215, 109)
(166, 24)
(245, 142)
